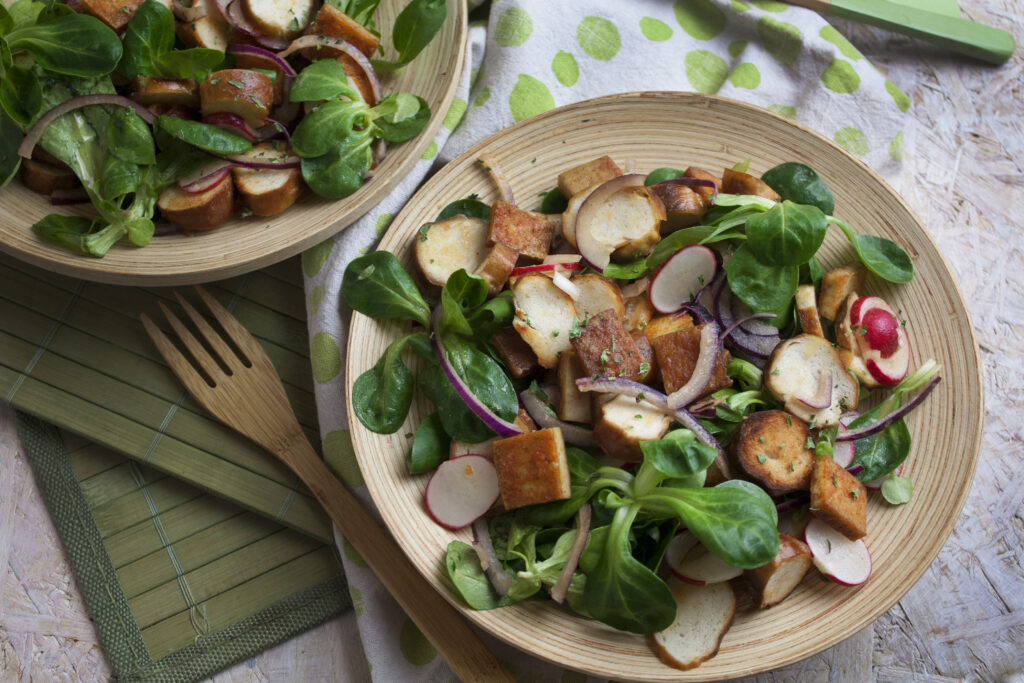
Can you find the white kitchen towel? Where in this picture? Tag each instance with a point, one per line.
(541, 54)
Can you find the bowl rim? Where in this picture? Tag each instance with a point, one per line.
(707, 100)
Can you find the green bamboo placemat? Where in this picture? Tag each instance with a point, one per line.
(179, 583)
(74, 354)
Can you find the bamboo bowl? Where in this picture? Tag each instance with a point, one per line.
(678, 129)
(245, 244)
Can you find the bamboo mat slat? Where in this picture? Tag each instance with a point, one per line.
(74, 354)
(179, 583)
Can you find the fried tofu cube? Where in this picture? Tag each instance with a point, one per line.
(677, 354)
(496, 267)
(532, 468)
(605, 348)
(573, 404)
(586, 176)
(839, 498)
(772, 582)
(623, 423)
(836, 285)
(663, 324)
(648, 373)
(770, 447)
(527, 232)
(114, 13)
(515, 353)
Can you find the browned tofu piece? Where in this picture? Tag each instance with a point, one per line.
(770, 447)
(648, 372)
(527, 232)
(638, 313)
(706, 193)
(807, 311)
(663, 324)
(838, 498)
(677, 353)
(169, 91)
(496, 267)
(330, 21)
(586, 176)
(515, 353)
(605, 347)
(772, 582)
(114, 13)
(532, 468)
(622, 424)
(44, 178)
(573, 404)
(736, 182)
(684, 206)
(836, 285)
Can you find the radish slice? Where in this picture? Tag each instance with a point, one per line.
(596, 253)
(461, 490)
(837, 557)
(681, 278)
(693, 563)
(843, 451)
(566, 285)
(205, 177)
(570, 261)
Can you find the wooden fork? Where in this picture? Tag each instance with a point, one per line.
(250, 398)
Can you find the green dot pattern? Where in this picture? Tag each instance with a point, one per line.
(769, 5)
(325, 357)
(706, 70)
(840, 77)
(416, 649)
(829, 33)
(896, 147)
(341, 457)
(316, 297)
(529, 98)
(455, 113)
(353, 556)
(314, 258)
(702, 19)
(739, 5)
(599, 38)
(898, 96)
(565, 68)
(357, 599)
(513, 27)
(383, 221)
(784, 109)
(482, 97)
(746, 76)
(782, 41)
(655, 29)
(736, 48)
(430, 152)
(852, 140)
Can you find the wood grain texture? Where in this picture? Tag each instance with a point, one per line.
(677, 130)
(245, 244)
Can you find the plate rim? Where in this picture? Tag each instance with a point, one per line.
(974, 359)
(109, 272)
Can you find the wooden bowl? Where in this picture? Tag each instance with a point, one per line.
(678, 129)
(245, 244)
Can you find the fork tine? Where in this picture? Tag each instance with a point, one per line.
(180, 365)
(241, 336)
(202, 356)
(212, 337)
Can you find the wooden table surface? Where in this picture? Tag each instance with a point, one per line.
(964, 620)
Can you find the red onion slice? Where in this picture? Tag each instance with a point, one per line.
(283, 161)
(541, 414)
(822, 398)
(561, 587)
(791, 502)
(205, 177)
(707, 358)
(39, 127)
(232, 123)
(68, 196)
(318, 41)
(500, 579)
(487, 416)
(233, 13)
(595, 253)
(869, 430)
(499, 178)
(242, 49)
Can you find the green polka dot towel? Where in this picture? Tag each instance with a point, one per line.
(535, 55)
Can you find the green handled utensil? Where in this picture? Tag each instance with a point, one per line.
(982, 42)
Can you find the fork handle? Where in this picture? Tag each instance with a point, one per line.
(443, 626)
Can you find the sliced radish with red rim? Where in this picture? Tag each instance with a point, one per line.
(461, 490)
(688, 559)
(681, 278)
(837, 557)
